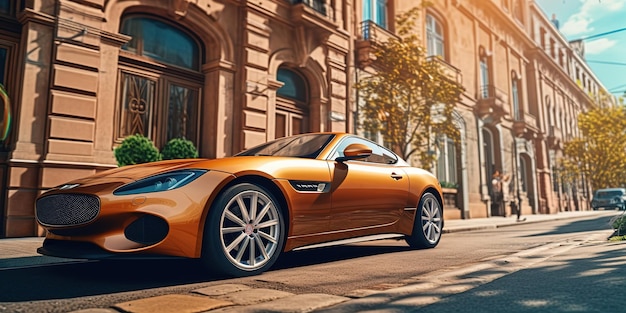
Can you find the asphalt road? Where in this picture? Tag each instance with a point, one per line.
(36, 286)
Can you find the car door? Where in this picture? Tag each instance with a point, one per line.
(368, 192)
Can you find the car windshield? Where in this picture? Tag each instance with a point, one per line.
(302, 146)
(609, 193)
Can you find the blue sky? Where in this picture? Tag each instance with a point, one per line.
(581, 18)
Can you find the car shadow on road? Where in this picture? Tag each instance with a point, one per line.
(66, 280)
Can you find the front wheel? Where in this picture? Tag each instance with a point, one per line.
(428, 224)
(244, 233)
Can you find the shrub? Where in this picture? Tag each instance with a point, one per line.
(445, 184)
(619, 224)
(179, 148)
(136, 149)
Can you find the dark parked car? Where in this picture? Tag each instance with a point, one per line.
(610, 198)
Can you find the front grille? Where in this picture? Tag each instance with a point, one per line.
(67, 209)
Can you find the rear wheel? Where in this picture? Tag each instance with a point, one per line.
(428, 225)
(244, 233)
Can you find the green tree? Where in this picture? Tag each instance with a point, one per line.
(600, 152)
(397, 100)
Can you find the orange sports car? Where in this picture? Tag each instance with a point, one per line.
(237, 214)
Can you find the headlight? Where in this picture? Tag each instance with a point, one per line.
(161, 182)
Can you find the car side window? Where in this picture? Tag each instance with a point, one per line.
(379, 154)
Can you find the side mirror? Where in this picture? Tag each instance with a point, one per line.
(355, 151)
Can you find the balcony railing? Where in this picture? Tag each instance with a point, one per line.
(490, 103)
(448, 69)
(373, 32)
(315, 16)
(318, 5)
(555, 137)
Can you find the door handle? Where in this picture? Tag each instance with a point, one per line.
(396, 176)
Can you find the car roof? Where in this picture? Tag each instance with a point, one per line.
(612, 189)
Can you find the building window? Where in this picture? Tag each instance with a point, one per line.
(149, 37)
(515, 95)
(375, 11)
(489, 157)
(434, 37)
(446, 160)
(317, 5)
(484, 73)
(291, 104)
(160, 102)
(518, 10)
(7, 7)
(523, 168)
(3, 63)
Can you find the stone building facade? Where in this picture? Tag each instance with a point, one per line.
(229, 74)
(525, 86)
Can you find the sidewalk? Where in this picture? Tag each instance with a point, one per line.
(452, 226)
(19, 252)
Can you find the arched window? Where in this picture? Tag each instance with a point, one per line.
(291, 103)
(435, 40)
(294, 86)
(515, 96)
(161, 42)
(160, 81)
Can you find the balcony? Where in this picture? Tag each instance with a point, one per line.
(314, 15)
(372, 34)
(491, 104)
(448, 69)
(525, 126)
(555, 141)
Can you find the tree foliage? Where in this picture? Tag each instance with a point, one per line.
(600, 152)
(399, 99)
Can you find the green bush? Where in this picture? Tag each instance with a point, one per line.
(179, 148)
(136, 149)
(445, 184)
(619, 224)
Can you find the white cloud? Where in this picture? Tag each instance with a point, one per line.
(580, 23)
(576, 25)
(598, 46)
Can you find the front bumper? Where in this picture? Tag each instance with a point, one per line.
(89, 251)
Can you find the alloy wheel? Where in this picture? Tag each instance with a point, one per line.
(250, 230)
(431, 219)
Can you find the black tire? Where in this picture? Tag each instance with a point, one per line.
(243, 242)
(428, 224)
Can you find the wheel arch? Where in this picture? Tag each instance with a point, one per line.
(262, 181)
(437, 195)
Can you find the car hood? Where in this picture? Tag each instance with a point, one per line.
(269, 166)
(134, 172)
